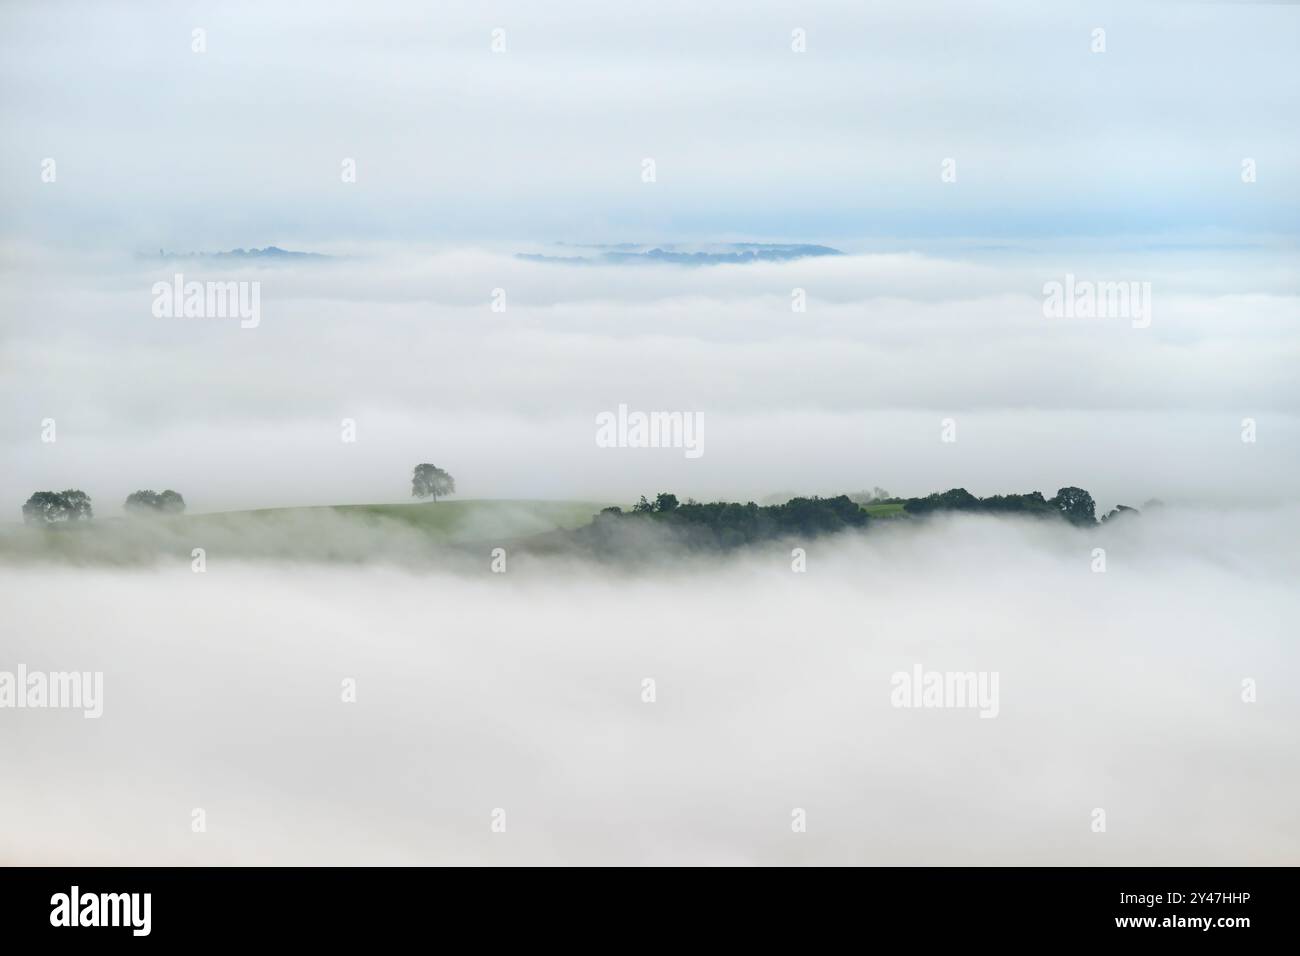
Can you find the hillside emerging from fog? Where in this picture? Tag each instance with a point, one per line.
(457, 532)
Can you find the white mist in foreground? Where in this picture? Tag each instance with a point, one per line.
(522, 692)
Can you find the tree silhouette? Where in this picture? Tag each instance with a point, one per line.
(1076, 506)
(168, 502)
(54, 507)
(430, 481)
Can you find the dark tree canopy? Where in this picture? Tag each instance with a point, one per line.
(727, 524)
(665, 502)
(79, 502)
(430, 481)
(54, 507)
(956, 499)
(724, 524)
(153, 502)
(1073, 504)
(1076, 506)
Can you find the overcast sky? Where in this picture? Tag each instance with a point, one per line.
(242, 144)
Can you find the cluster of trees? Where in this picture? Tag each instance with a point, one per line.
(154, 502)
(1073, 504)
(55, 507)
(729, 524)
(58, 507)
(430, 481)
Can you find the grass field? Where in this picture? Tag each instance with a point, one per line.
(405, 532)
(451, 520)
(400, 532)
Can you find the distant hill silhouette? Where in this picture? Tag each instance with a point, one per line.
(269, 253)
(732, 253)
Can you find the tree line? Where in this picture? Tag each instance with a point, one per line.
(731, 524)
(1073, 504)
(73, 505)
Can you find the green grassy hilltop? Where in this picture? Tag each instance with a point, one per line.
(401, 532)
(452, 521)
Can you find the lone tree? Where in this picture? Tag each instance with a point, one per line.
(54, 507)
(153, 502)
(430, 481)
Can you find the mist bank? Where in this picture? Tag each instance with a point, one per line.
(524, 692)
(906, 370)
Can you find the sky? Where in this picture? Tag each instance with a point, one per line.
(242, 144)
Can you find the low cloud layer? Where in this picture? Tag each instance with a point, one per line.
(849, 393)
(1120, 691)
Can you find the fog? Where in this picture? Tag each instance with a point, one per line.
(850, 393)
(522, 692)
